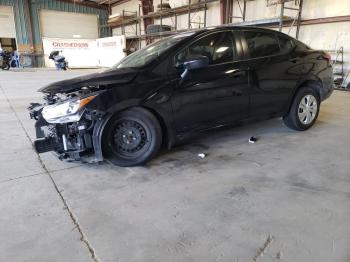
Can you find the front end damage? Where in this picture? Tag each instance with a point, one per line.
(73, 115)
(65, 125)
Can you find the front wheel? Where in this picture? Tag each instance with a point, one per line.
(304, 110)
(132, 137)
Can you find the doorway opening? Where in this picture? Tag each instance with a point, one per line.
(8, 44)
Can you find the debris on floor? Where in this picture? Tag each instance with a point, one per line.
(202, 155)
(253, 139)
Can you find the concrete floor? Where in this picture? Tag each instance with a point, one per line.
(285, 198)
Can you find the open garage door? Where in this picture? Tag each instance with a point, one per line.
(7, 28)
(68, 25)
(7, 22)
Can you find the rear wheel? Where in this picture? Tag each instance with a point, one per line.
(6, 66)
(132, 137)
(304, 110)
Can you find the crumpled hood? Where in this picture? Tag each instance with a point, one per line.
(116, 76)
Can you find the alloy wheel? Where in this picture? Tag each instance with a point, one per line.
(307, 109)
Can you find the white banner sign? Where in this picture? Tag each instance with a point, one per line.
(86, 53)
(80, 53)
(110, 50)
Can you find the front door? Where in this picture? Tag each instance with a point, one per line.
(215, 95)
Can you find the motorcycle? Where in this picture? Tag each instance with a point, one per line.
(60, 61)
(5, 60)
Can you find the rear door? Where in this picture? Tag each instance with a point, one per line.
(274, 68)
(212, 96)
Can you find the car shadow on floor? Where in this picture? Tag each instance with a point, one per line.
(222, 139)
(219, 147)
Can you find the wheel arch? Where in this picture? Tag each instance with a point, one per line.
(316, 84)
(100, 126)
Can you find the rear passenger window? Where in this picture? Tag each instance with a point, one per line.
(262, 44)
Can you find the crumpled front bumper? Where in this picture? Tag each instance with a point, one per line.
(70, 141)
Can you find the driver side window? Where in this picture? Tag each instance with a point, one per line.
(218, 47)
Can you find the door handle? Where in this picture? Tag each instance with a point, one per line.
(238, 73)
(236, 93)
(294, 60)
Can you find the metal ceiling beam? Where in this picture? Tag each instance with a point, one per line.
(87, 3)
(111, 2)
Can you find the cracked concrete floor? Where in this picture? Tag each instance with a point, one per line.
(285, 198)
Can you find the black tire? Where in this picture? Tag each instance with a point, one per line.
(152, 29)
(132, 137)
(6, 66)
(292, 119)
(163, 6)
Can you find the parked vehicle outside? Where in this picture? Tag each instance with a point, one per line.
(180, 86)
(5, 60)
(59, 60)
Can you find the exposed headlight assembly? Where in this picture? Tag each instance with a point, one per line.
(70, 111)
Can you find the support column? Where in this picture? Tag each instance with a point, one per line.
(28, 24)
(223, 6)
(147, 7)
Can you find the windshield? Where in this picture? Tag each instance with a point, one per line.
(151, 52)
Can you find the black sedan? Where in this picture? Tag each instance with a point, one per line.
(179, 86)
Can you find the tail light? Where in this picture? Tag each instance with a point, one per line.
(327, 56)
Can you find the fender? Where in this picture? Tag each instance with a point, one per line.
(167, 125)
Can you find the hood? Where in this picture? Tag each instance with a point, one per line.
(109, 77)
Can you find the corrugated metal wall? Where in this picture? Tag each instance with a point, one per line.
(23, 30)
(20, 24)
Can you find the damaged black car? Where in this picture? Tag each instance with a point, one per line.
(179, 86)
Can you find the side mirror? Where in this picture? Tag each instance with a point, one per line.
(196, 63)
